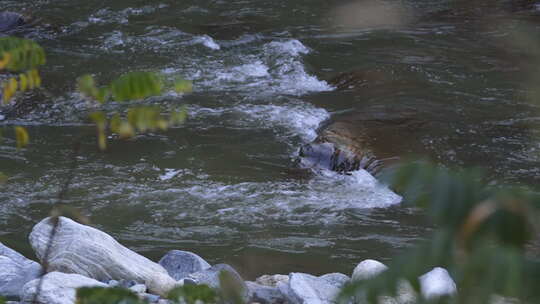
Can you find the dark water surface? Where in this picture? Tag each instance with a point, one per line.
(220, 184)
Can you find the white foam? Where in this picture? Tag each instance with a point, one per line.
(169, 174)
(207, 41)
(276, 69)
(297, 118)
(292, 47)
(321, 199)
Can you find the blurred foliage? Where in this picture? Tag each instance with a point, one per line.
(25, 56)
(20, 56)
(141, 119)
(103, 295)
(192, 294)
(480, 238)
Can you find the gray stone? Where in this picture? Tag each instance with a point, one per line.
(264, 294)
(179, 264)
(138, 288)
(211, 276)
(15, 271)
(308, 289)
(336, 279)
(57, 288)
(272, 280)
(10, 21)
(368, 269)
(113, 283)
(84, 250)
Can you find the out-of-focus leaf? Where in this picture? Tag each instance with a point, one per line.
(100, 120)
(183, 86)
(178, 116)
(22, 137)
(22, 54)
(100, 295)
(192, 294)
(136, 85)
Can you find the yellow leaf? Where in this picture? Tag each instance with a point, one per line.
(6, 57)
(22, 137)
(126, 130)
(23, 82)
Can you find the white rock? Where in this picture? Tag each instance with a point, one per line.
(368, 269)
(337, 279)
(90, 252)
(272, 280)
(138, 288)
(57, 288)
(15, 271)
(308, 289)
(437, 283)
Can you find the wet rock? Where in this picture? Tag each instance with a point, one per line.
(57, 288)
(371, 139)
(368, 269)
(15, 271)
(308, 289)
(336, 279)
(272, 280)
(179, 264)
(264, 294)
(437, 283)
(10, 21)
(211, 277)
(84, 250)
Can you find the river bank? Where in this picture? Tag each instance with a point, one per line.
(78, 256)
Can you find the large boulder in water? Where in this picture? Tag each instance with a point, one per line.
(365, 139)
(84, 250)
(15, 271)
(10, 21)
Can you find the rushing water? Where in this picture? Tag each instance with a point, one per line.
(220, 185)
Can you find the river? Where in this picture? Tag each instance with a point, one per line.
(220, 185)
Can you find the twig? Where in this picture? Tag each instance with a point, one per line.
(55, 218)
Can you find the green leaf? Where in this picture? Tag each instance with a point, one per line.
(136, 85)
(191, 294)
(183, 86)
(20, 54)
(101, 295)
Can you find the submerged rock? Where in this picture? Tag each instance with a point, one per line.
(179, 264)
(369, 139)
(57, 288)
(84, 250)
(15, 271)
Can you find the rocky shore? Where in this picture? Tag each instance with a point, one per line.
(82, 256)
